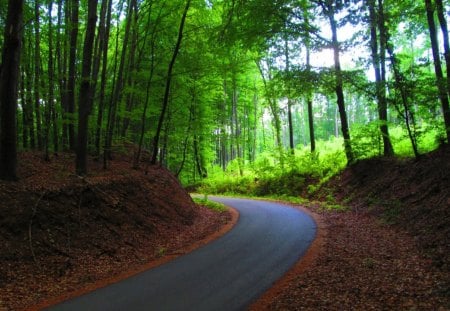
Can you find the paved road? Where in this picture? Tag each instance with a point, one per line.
(227, 274)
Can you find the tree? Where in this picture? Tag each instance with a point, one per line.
(378, 49)
(440, 81)
(329, 10)
(400, 84)
(49, 108)
(70, 92)
(37, 74)
(168, 82)
(85, 97)
(309, 103)
(103, 40)
(118, 84)
(9, 78)
(444, 30)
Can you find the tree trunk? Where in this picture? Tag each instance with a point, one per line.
(379, 81)
(168, 82)
(132, 68)
(400, 86)
(137, 157)
(103, 79)
(118, 87)
(275, 113)
(85, 98)
(289, 103)
(309, 102)
(29, 95)
(235, 129)
(37, 74)
(339, 90)
(50, 103)
(25, 124)
(444, 30)
(9, 78)
(70, 93)
(440, 81)
(61, 60)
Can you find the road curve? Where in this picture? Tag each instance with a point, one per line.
(227, 274)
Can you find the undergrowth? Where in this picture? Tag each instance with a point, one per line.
(294, 177)
(213, 205)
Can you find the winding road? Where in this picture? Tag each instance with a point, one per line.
(227, 274)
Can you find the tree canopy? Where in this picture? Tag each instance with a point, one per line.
(208, 86)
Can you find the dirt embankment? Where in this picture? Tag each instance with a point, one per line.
(412, 194)
(389, 251)
(59, 232)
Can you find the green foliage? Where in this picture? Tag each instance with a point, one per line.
(213, 205)
(265, 177)
(428, 139)
(367, 140)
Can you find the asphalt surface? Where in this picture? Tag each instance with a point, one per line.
(227, 274)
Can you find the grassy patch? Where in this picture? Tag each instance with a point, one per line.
(212, 205)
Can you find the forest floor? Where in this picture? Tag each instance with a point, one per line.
(62, 235)
(387, 248)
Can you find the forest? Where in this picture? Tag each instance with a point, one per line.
(113, 111)
(224, 89)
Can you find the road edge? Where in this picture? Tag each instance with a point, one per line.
(263, 302)
(150, 265)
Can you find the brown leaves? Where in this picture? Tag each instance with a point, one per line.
(86, 231)
(365, 266)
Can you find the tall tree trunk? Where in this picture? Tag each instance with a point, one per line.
(379, 81)
(168, 82)
(440, 81)
(118, 87)
(29, 95)
(186, 139)
(49, 107)
(444, 30)
(37, 74)
(103, 79)
(236, 129)
(26, 98)
(73, 24)
(401, 87)
(309, 102)
(61, 60)
(9, 79)
(24, 104)
(289, 102)
(85, 97)
(137, 157)
(132, 68)
(339, 88)
(223, 133)
(99, 45)
(275, 112)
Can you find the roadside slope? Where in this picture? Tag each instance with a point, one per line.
(390, 249)
(60, 233)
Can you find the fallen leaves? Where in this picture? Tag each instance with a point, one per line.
(92, 230)
(365, 266)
